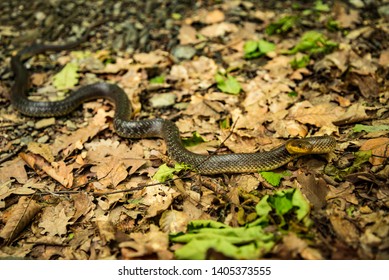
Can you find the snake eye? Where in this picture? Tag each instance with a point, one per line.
(298, 146)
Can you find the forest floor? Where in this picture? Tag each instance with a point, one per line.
(235, 76)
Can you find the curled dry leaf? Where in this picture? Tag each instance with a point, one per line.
(188, 35)
(41, 149)
(173, 221)
(218, 29)
(314, 190)
(55, 219)
(59, 171)
(106, 229)
(75, 140)
(158, 198)
(13, 169)
(379, 148)
(293, 247)
(143, 245)
(345, 229)
(22, 215)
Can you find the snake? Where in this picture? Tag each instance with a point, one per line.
(126, 126)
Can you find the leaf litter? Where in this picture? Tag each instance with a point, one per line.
(247, 86)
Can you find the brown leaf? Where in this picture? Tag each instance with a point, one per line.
(188, 35)
(75, 140)
(41, 149)
(59, 171)
(144, 245)
(293, 247)
(13, 169)
(37, 79)
(346, 17)
(321, 115)
(344, 229)
(55, 219)
(344, 190)
(218, 29)
(82, 204)
(111, 159)
(22, 215)
(384, 58)
(214, 16)
(367, 85)
(314, 190)
(173, 221)
(379, 148)
(158, 198)
(106, 229)
(355, 113)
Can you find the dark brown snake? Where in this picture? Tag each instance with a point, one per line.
(161, 128)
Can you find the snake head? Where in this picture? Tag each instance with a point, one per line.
(299, 147)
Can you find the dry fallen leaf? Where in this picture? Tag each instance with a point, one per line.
(55, 219)
(218, 29)
(344, 229)
(321, 115)
(158, 198)
(22, 214)
(75, 140)
(144, 245)
(41, 149)
(173, 221)
(314, 189)
(13, 169)
(59, 171)
(188, 35)
(379, 148)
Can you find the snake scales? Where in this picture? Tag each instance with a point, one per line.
(125, 127)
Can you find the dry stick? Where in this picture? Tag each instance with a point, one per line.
(11, 154)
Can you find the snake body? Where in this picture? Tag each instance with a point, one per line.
(125, 127)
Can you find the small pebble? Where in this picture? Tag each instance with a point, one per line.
(183, 52)
(43, 139)
(162, 100)
(44, 123)
(70, 125)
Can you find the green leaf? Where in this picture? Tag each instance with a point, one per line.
(361, 157)
(333, 25)
(313, 42)
(320, 7)
(228, 84)
(282, 203)
(165, 172)
(263, 208)
(225, 123)
(303, 207)
(233, 242)
(282, 25)
(368, 128)
(265, 46)
(194, 140)
(300, 62)
(292, 94)
(250, 47)
(253, 49)
(157, 80)
(176, 16)
(273, 178)
(67, 77)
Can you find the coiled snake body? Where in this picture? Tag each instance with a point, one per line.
(125, 127)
